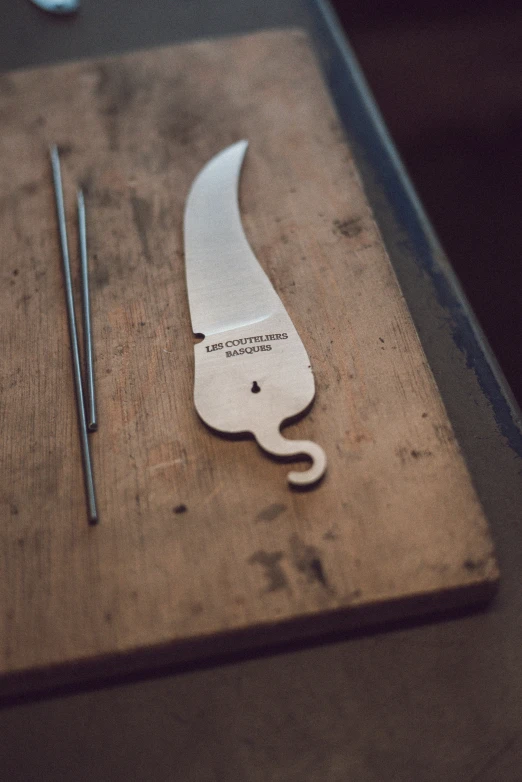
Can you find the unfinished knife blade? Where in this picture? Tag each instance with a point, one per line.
(252, 372)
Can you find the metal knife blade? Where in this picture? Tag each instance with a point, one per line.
(227, 287)
(252, 371)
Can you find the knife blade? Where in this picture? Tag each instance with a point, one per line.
(252, 372)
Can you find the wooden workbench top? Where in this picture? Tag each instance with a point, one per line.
(202, 546)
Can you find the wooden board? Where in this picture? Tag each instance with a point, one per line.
(202, 547)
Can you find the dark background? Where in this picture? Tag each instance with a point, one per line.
(447, 77)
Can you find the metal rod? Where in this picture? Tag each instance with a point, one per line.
(92, 423)
(73, 335)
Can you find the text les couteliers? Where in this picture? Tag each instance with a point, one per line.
(252, 344)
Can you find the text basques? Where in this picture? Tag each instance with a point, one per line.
(236, 346)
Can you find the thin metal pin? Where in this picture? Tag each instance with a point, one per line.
(73, 335)
(92, 423)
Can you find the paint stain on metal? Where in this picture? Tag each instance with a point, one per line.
(271, 512)
(350, 227)
(307, 560)
(270, 561)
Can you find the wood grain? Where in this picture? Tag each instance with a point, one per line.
(202, 547)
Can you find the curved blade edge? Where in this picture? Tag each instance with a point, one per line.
(227, 288)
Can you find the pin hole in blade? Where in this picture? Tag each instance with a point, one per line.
(255, 387)
(198, 338)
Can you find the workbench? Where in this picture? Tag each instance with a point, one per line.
(423, 699)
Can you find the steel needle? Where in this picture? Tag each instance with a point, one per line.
(92, 423)
(73, 335)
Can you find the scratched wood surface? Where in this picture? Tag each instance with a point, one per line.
(202, 547)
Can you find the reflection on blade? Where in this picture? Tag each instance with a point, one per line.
(227, 287)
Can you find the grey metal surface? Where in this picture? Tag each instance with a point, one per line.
(227, 288)
(439, 700)
(31, 37)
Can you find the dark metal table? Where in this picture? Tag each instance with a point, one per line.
(441, 699)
